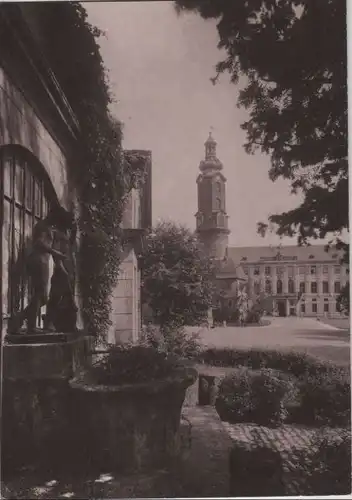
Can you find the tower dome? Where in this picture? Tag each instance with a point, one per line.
(211, 161)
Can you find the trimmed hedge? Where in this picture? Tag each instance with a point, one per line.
(255, 472)
(259, 396)
(322, 389)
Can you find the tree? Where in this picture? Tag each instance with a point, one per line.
(176, 276)
(292, 55)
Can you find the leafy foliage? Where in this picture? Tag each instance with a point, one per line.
(176, 276)
(102, 174)
(254, 396)
(330, 464)
(322, 390)
(291, 56)
(177, 342)
(326, 398)
(126, 364)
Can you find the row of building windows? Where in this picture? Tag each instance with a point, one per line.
(303, 288)
(329, 307)
(301, 270)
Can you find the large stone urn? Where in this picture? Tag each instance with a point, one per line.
(132, 426)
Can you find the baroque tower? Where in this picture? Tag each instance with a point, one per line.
(212, 220)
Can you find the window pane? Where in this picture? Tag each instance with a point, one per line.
(325, 269)
(37, 199)
(29, 191)
(325, 287)
(8, 177)
(6, 248)
(19, 179)
(314, 287)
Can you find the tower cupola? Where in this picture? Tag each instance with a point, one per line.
(211, 161)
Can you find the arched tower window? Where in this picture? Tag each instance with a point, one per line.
(26, 195)
(279, 286)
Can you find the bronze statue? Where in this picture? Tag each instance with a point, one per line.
(43, 246)
(61, 313)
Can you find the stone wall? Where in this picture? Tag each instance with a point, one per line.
(21, 126)
(125, 315)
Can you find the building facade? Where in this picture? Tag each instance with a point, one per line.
(126, 315)
(288, 280)
(39, 138)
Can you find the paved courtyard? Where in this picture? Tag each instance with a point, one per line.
(299, 334)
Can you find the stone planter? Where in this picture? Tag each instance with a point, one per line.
(128, 427)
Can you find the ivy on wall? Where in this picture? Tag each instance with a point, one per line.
(103, 174)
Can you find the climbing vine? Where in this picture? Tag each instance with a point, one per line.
(103, 174)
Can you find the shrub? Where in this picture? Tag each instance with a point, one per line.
(326, 398)
(127, 364)
(295, 363)
(255, 472)
(173, 341)
(328, 461)
(258, 396)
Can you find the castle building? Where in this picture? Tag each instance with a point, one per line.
(288, 280)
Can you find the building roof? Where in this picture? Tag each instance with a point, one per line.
(230, 268)
(312, 253)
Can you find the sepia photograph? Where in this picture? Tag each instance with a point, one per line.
(175, 313)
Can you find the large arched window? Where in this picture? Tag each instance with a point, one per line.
(26, 194)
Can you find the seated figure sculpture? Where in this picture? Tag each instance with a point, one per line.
(46, 233)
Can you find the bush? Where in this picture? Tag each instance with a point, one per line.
(329, 464)
(260, 396)
(324, 389)
(173, 341)
(295, 363)
(127, 364)
(255, 472)
(326, 398)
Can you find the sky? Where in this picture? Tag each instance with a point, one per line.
(160, 66)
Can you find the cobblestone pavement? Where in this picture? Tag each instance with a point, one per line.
(288, 440)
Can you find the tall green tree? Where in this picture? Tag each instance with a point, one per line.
(177, 276)
(290, 58)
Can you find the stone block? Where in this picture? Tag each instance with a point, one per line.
(45, 360)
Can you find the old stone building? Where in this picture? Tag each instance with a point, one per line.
(39, 136)
(126, 300)
(288, 280)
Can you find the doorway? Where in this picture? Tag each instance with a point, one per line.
(281, 306)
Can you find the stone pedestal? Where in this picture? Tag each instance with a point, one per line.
(36, 402)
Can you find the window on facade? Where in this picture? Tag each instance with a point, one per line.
(337, 287)
(314, 287)
(303, 307)
(279, 286)
(290, 271)
(280, 271)
(257, 287)
(24, 204)
(256, 271)
(267, 270)
(325, 287)
(291, 286)
(268, 288)
(325, 269)
(301, 270)
(314, 307)
(337, 269)
(313, 269)
(302, 287)
(218, 203)
(326, 307)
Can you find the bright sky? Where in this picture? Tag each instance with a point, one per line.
(160, 67)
